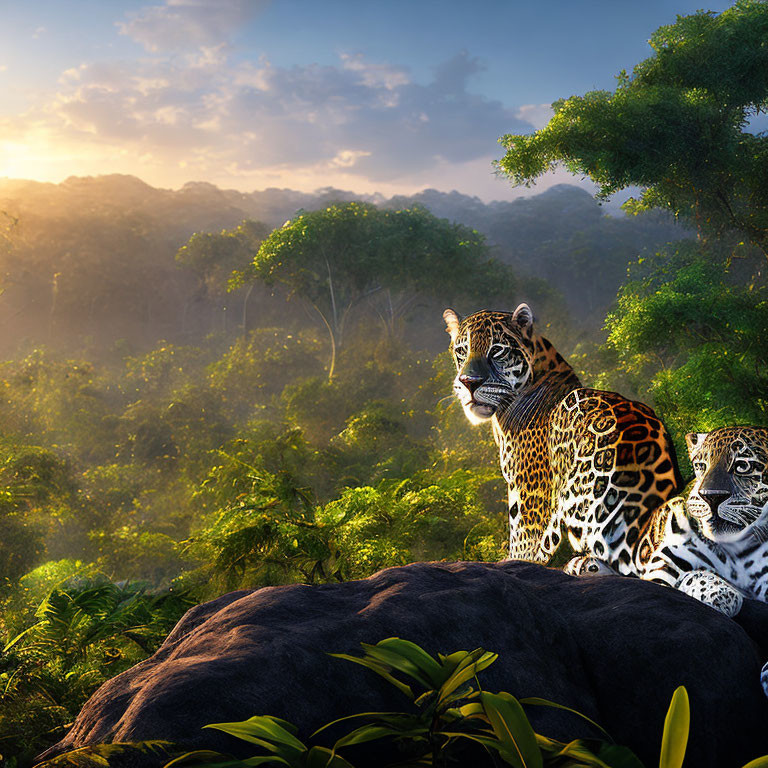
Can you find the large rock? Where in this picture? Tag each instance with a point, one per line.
(614, 648)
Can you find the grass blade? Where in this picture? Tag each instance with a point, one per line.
(676, 727)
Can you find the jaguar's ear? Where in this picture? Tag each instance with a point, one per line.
(522, 317)
(452, 322)
(694, 440)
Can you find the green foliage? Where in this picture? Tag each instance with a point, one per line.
(676, 126)
(63, 403)
(116, 754)
(450, 719)
(55, 653)
(424, 518)
(450, 716)
(267, 523)
(35, 484)
(165, 367)
(216, 257)
(260, 366)
(674, 740)
(206, 454)
(338, 257)
(690, 333)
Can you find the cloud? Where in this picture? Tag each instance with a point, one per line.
(538, 115)
(199, 114)
(368, 118)
(186, 24)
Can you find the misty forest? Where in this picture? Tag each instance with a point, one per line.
(205, 390)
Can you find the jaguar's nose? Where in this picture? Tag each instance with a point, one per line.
(471, 382)
(714, 497)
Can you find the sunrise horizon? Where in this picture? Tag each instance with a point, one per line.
(251, 94)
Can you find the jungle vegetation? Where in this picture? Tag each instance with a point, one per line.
(195, 398)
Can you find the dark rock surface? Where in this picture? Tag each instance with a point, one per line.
(614, 648)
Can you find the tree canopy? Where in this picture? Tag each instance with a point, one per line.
(337, 257)
(678, 126)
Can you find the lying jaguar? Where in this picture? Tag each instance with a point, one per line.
(593, 464)
(714, 546)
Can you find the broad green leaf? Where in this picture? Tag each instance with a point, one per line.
(546, 744)
(389, 717)
(99, 755)
(375, 731)
(760, 762)
(490, 742)
(380, 669)
(619, 757)
(473, 709)
(487, 741)
(258, 729)
(578, 750)
(476, 661)
(430, 667)
(322, 757)
(538, 702)
(452, 659)
(205, 759)
(512, 728)
(394, 660)
(676, 725)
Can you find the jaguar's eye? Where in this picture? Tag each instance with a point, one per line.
(741, 467)
(497, 351)
(699, 467)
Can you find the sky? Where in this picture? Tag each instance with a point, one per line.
(390, 97)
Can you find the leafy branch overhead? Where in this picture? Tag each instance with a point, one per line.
(678, 126)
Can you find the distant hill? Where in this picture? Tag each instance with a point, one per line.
(91, 260)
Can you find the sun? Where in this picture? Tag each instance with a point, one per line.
(24, 161)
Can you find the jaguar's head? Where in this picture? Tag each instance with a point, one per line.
(730, 495)
(494, 354)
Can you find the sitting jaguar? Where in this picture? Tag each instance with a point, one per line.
(591, 463)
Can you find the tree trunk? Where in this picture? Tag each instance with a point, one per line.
(245, 309)
(332, 337)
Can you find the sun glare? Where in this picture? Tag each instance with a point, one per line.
(21, 161)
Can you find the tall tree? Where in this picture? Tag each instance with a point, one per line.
(337, 257)
(678, 126)
(215, 257)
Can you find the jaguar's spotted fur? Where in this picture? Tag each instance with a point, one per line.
(590, 463)
(720, 535)
(714, 546)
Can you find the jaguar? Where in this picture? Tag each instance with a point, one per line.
(584, 468)
(712, 546)
(715, 544)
